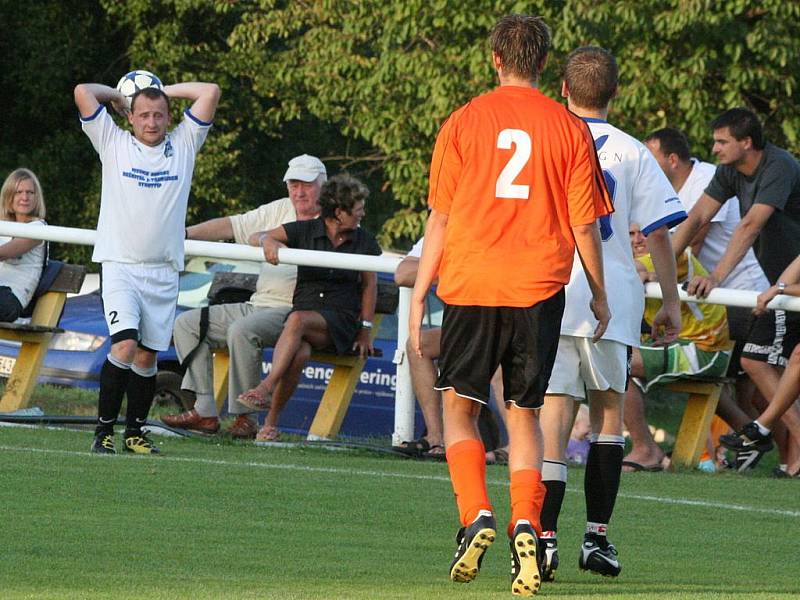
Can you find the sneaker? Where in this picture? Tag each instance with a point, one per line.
(602, 561)
(103, 444)
(747, 438)
(525, 577)
(473, 541)
(242, 428)
(548, 557)
(139, 444)
(192, 421)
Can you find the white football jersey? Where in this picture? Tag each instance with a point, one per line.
(641, 194)
(748, 274)
(145, 190)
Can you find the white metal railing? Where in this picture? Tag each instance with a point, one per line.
(404, 395)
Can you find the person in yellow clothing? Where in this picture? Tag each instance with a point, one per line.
(703, 349)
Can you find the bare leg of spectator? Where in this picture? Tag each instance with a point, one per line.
(283, 392)
(729, 411)
(645, 451)
(780, 391)
(423, 377)
(301, 327)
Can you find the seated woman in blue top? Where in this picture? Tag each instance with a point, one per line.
(332, 309)
(21, 260)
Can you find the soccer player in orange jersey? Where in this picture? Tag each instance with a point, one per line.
(515, 187)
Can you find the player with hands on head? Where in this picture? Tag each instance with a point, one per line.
(146, 180)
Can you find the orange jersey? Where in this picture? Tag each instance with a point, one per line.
(514, 171)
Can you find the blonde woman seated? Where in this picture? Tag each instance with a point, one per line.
(21, 260)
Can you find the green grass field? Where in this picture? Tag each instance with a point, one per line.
(229, 520)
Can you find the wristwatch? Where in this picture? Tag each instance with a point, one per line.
(366, 324)
(781, 287)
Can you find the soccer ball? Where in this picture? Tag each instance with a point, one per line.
(135, 81)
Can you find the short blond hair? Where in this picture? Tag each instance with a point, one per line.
(10, 187)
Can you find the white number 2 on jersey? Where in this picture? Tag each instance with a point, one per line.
(505, 186)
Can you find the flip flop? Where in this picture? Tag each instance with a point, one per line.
(253, 399)
(436, 452)
(634, 466)
(413, 447)
(268, 433)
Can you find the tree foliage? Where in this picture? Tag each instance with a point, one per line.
(365, 84)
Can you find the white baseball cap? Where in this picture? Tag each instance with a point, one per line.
(305, 168)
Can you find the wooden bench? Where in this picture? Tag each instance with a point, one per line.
(347, 368)
(35, 337)
(700, 409)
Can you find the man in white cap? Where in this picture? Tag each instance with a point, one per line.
(246, 327)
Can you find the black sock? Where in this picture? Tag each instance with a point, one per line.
(601, 483)
(554, 478)
(140, 398)
(113, 383)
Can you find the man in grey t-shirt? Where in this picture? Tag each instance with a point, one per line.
(766, 179)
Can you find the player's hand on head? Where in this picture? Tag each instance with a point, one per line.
(602, 313)
(120, 106)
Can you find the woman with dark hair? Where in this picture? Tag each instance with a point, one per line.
(332, 309)
(21, 260)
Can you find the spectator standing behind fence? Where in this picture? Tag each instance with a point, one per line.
(332, 309)
(21, 260)
(690, 177)
(703, 349)
(766, 180)
(245, 328)
(788, 387)
(147, 176)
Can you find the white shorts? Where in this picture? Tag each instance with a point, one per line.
(143, 298)
(581, 365)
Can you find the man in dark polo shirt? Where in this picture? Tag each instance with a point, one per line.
(766, 179)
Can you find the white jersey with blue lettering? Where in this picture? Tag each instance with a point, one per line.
(145, 190)
(642, 194)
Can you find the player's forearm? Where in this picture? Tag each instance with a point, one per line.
(212, 230)
(661, 248)
(590, 252)
(204, 97)
(431, 255)
(741, 241)
(88, 96)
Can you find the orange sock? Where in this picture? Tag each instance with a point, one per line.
(527, 497)
(467, 463)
